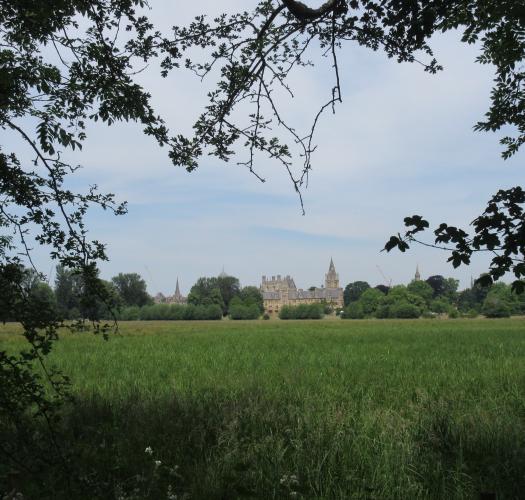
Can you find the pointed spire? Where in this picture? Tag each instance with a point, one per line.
(177, 295)
(223, 273)
(418, 275)
(331, 278)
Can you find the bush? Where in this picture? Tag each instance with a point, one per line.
(213, 312)
(495, 308)
(171, 312)
(404, 310)
(472, 313)
(303, 311)
(176, 312)
(354, 310)
(130, 313)
(453, 313)
(240, 311)
(266, 316)
(440, 306)
(285, 313)
(327, 309)
(382, 312)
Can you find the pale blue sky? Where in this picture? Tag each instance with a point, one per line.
(401, 143)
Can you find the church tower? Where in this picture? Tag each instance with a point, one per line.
(417, 277)
(178, 296)
(332, 278)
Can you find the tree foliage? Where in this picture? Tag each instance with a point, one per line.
(370, 300)
(132, 289)
(422, 289)
(229, 287)
(499, 232)
(206, 292)
(353, 291)
(437, 283)
(251, 295)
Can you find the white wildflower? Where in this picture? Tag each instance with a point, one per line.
(149, 450)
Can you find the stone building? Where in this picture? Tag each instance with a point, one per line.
(280, 291)
(176, 298)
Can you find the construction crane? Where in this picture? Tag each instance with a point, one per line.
(384, 277)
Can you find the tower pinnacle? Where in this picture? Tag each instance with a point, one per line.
(177, 290)
(331, 278)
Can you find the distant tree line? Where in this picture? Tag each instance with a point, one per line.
(170, 312)
(433, 297)
(303, 311)
(209, 299)
(126, 298)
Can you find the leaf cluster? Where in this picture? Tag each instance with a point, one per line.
(499, 230)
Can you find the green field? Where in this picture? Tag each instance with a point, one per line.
(298, 409)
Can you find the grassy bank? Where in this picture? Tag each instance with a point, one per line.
(362, 409)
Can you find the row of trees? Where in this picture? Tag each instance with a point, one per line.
(126, 297)
(73, 301)
(437, 295)
(303, 311)
(170, 312)
(438, 288)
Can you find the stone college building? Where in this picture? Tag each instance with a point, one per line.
(279, 292)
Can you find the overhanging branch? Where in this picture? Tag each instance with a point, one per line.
(305, 13)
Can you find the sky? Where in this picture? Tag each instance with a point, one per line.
(401, 143)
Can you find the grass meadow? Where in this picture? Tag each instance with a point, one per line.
(423, 409)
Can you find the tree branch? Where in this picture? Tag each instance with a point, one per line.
(305, 13)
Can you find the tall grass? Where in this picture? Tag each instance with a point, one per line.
(353, 410)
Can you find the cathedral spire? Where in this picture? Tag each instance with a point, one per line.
(177, 290)
(331, 278)
(417, 277)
